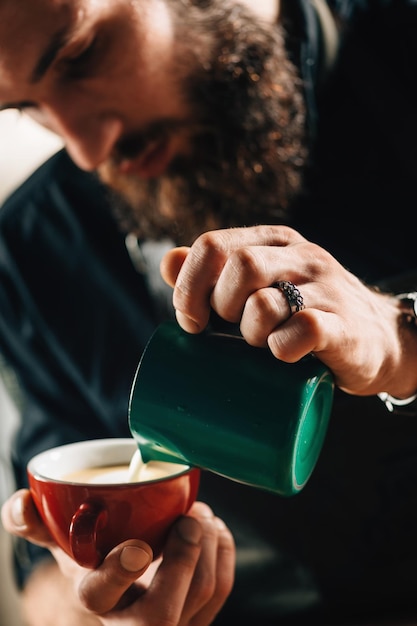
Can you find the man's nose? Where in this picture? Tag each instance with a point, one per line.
(89, 149)
(89, 138)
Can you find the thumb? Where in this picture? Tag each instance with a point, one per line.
(106, 588)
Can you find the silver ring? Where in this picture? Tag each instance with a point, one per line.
(293, 295)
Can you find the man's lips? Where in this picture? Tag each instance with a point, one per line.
(151, 162)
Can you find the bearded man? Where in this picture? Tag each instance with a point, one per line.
(191, 116)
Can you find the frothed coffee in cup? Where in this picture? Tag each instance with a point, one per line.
(102, 475)
(93, 495)
(135, 471)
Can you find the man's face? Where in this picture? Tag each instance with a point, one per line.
(93, 71)
(191, 113)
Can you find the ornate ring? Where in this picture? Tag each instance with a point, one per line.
(293, 295)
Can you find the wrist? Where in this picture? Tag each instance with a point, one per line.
(408, 324)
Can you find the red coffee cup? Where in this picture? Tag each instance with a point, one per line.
(88, 519)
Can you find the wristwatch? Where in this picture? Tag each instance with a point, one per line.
(406, 406)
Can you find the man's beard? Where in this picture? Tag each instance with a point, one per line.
(248, 133)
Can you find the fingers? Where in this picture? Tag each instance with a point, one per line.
(166, 601)
(204, 578)
(188, 586)
(214, 575)
(345, 324)
(171, 264)
(109, 587)
(191, 583)
(300, 335)
(224, 267)
(263, 311)
(20, 517)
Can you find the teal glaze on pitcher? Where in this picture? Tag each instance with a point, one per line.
(212, 401)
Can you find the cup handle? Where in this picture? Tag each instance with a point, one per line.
(86, 521)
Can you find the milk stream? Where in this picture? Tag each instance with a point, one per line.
(136, 467)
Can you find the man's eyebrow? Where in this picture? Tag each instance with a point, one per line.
(47, 58)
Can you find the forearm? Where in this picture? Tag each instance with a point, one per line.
(50, 600)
